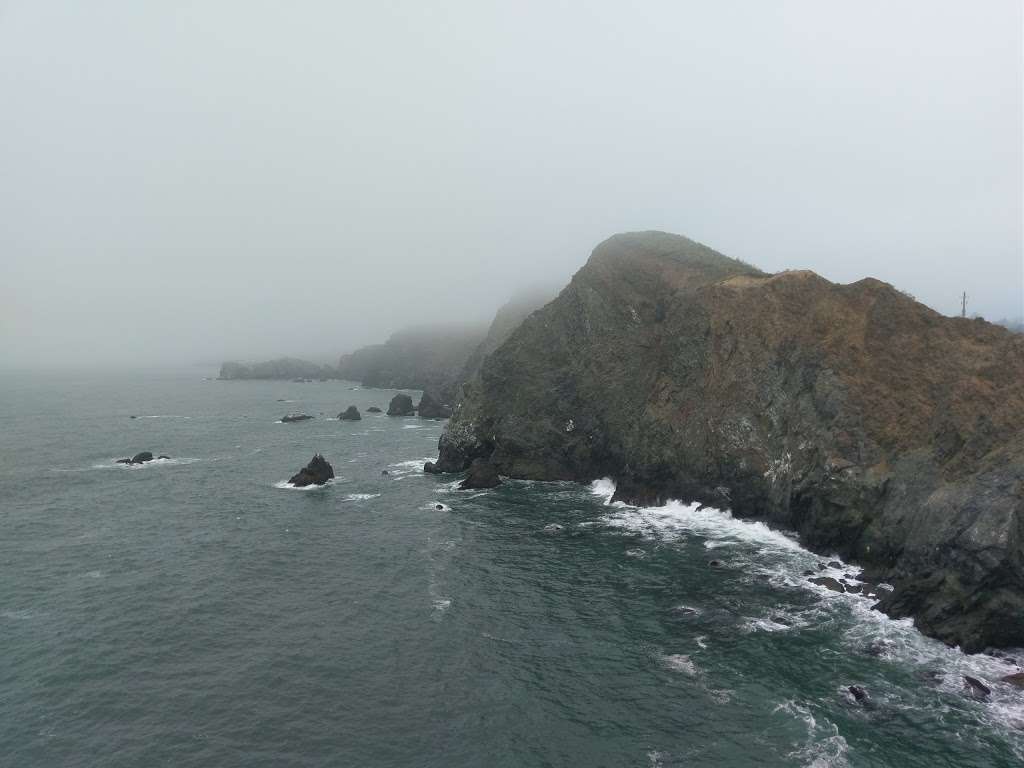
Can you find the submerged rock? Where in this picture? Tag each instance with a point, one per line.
(350, 414)
(431, 408)
(292, 417)
(373, 409)
(139, 458)
(828, 583)
(401, 405)
(482, 474)
(317, 472)
(859, 694)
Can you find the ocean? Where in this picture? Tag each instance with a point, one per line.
(196, 611)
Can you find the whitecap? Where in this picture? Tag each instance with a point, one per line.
(680, 662)
(284, 484)
(823, 747)
(361, 496)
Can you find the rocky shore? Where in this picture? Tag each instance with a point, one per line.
(873, 426)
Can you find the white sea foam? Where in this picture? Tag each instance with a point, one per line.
(768, 553)
(173, 462)
(412, 426)
(284, 484)
(361, 496)
(680, 662)
(824, 746)
(403, 469)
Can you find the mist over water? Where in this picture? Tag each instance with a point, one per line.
(194, 182)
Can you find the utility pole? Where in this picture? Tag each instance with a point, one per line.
(963, 305)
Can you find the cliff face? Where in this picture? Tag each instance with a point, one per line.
(428, 358)
(868, 423)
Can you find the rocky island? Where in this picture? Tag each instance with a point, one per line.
(873, 426)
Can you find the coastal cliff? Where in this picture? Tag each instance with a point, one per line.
(866, 422)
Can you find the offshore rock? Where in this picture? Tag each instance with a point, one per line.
(401, 405)
(350, 414)
(876, 428)
(293, 417)
(317, 472)
(373, 409)
(138, 458)
(431, 408)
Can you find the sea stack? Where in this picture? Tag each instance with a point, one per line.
(317, 472)
(873, 426)
(350, 414)
(401, 405)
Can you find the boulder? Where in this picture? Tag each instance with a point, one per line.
(1017, 679)
(431, 408)
(292, 417)
(431, 468)
(976, 688)
(401, 405)
(350, 414)
(828, 583)
(482, 474)
(373, 409)
(317, 472)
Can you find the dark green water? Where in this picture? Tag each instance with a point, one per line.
(191, 613)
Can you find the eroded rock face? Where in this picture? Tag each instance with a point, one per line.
(350, 414)
(401, 405)
(482, 474)
(431, 408)
(875, 427)
(317, 472)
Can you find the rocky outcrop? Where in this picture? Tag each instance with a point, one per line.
(401, 405)
(293, 417)
(431, 408)
(350, 414)
(873, 426)
(317, 472)
(286, 368)
(482, 474)
(139, 458)
(373, 409)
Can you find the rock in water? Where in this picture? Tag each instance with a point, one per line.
(431, 468)
(859, 694)
(292, 417)
(373, 409)
(139, 458)
(976, 688)
(828, 583)
(431, 408)
(876, 428)
(350, 414)
(1017, 679)
(482, 474)
(317, 472)
(401, 405)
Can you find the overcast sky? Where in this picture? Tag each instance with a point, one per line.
(186, 181)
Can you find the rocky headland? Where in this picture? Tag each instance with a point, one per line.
(871, 425)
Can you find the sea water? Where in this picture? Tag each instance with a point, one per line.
(198, 611)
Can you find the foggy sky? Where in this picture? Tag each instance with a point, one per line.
(188, 181)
